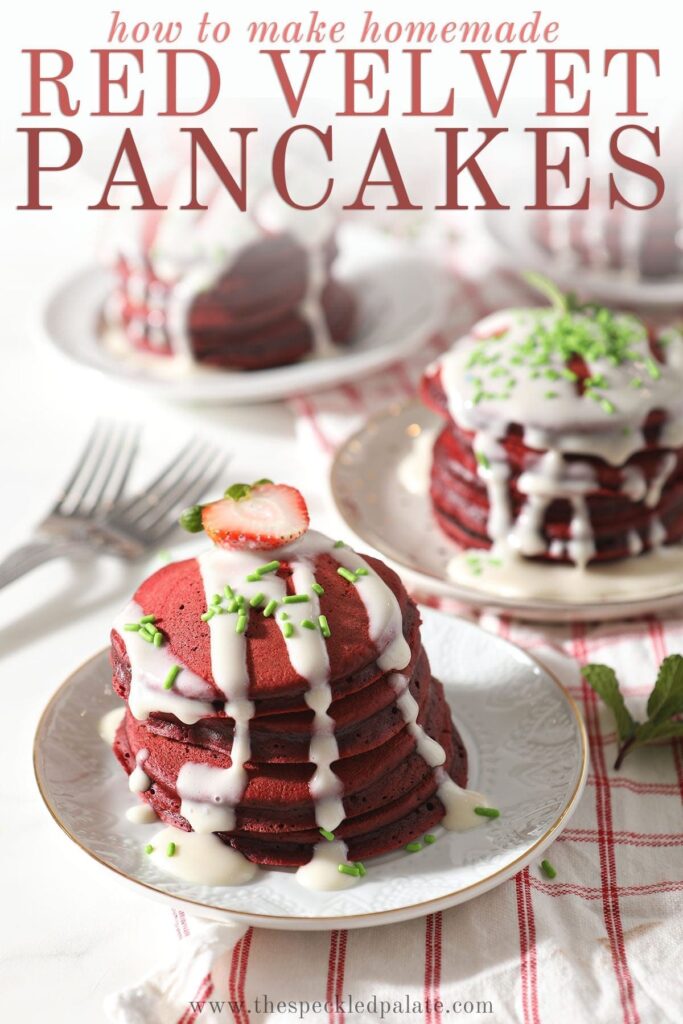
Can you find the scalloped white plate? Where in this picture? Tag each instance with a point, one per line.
(527, 749)
(402, 300)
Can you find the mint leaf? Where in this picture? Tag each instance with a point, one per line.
(603, 680)
(548, 288)
(669, 730)
(666, 698)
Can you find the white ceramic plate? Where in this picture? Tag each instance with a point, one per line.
(527, 750)
(371, 497)
(401, 296)
(512, 234)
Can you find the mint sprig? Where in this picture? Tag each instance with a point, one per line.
(563, 302)
(664, 704)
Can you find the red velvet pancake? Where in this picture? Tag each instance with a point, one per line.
(616, 439)
(249, 312)
(387, 788)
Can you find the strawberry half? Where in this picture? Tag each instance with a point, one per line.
(259, 517)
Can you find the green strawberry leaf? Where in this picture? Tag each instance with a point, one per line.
(666, 698)
(603, 680)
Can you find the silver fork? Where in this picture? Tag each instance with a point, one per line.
(92, 514)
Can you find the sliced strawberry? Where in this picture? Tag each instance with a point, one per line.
(264, 516)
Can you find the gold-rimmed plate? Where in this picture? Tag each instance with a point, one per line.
(380, 484)
(527, 751)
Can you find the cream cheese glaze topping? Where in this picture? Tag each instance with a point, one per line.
(515, 369)
(497, 376)
(210, 794)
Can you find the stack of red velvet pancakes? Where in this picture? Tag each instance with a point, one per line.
(563, 435)
(221, 289)
(280, 697)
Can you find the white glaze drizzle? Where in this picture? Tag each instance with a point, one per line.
(566, 424)
(109, 723)
(311, 306)
(458, 803)
(189, 699)
(141, 814)
(309, 658)
(415, 468)
(200, 858)
(209, 794)
(322, 873)
(138, 780)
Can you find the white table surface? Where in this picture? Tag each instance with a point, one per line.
(70, 931)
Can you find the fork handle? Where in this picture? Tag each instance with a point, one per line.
(29, 556)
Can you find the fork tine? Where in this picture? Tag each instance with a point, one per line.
(174, 468)
(106, 471)
(66, 492)
(160, 528)
(127, 466)
(101, 465)
(181, 490)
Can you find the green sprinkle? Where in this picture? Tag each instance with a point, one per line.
(173, 673)
(362, 871)
(295, 599)
(208, 614)
(350, 576)
(288, 630)
(413, 847)
(284, 616)
(257, 600)
(268, 567)
(307, 624)
(132, 627)
(429, 839)
(326, 835)
(317, 588)
(362, 571)
(241, 600)
(487, 812)
(253, 577)
(148, 637)
(170, 849)
(149, 848)
(339, 544)
(349, 869)
(241, 625)
(228, 592)
(551, 394)
(232, 606)
(147, 618)
(158, 639)
(637, 382)
(324, 626)
(216, 599)
(608, 406)
(270, 608)
(548, 869)
(569, 374)
(483, 460)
